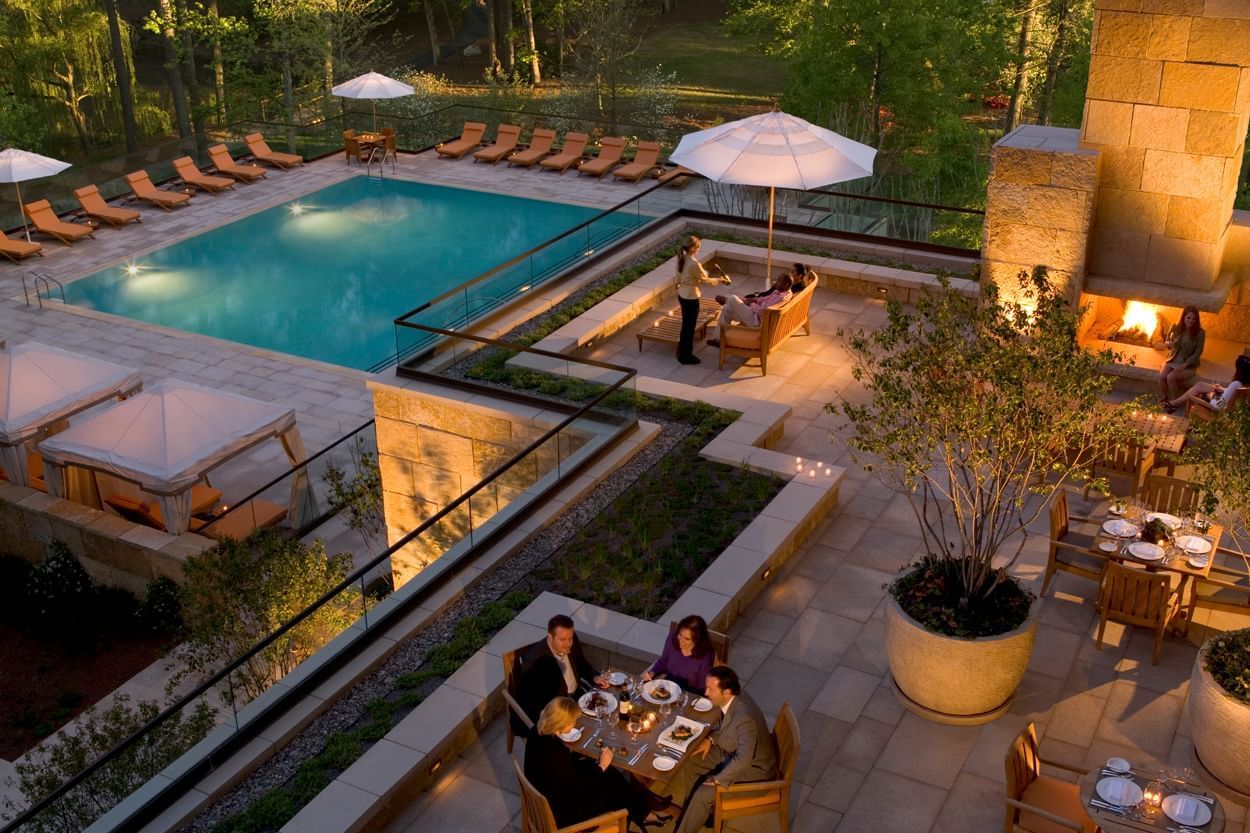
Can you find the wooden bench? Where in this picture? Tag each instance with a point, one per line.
(667, 328)
(776, 325)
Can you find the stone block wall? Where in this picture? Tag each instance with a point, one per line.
(1042, 194)
(1167, 106)
(432, 449)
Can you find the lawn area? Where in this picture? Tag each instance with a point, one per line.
(708, 60)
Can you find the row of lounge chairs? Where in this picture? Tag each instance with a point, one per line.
(541, 150)
(92, 203)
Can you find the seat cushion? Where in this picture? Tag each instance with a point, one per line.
(1058, 797)
(747, 337)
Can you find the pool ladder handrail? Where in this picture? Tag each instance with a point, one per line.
(373, 154)
(40, 278)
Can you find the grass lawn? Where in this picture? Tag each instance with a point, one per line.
(710, 60)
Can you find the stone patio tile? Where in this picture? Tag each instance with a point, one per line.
(768, 626)
(601, 626)
(845, 694)
(1054, 654)
(789, 595)
(1075, 719)
(467, 806)
(1170, 676)
(1036, 697)
(813, 818)
(974, 803)
(886, 551)
(1090, 679)
(890, 803)
(843, 531)
(1066, 611)
(747, 654)
(818, 562)
(491, 762)
(863, 744)
(781, 681)
(927, 751)
(883, 706)
(986, 758)
(837, 787)
(852, 590)
(821, 736)
(1139, 717)
(818, 639)
(867, 652)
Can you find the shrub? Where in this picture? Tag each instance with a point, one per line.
(58, 588)
(160, 610)
(1228, 661)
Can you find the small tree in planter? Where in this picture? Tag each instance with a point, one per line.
(981, 408)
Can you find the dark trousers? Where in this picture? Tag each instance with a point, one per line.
(689, 317)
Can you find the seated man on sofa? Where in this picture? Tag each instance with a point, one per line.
(746, 310)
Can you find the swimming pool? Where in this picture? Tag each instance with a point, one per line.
(324, 276)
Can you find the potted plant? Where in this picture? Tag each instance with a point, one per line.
(1219, 689)
(980, 409)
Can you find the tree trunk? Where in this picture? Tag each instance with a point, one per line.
(1026, 9)
(73, 102)
(451, 29)
(505, 22)
(875, 96)
(219, 65)
(429, 23)
(121, 69)
(327, 63)
(492, 39)
(192, 83)
(560, 35)
(527, 11)
(288, 100)
(171, 66)
(1054, 61)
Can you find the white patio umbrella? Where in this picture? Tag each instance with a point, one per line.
(17, 166)
(776, 150)
(373, 85)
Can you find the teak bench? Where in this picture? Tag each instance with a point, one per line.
(777, 324)
(667, 328)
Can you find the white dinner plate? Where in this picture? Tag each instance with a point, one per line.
(1193, 544)
(584, 700)
(1170, 521)
(1119, 765)
(571, 735)
(1120, 528)
(1119, 791)
(1145, 551)
(1186, 810)
(650, 692)
(702, 704)
(1108, 546)
(1115, 510)
(663, 763)
(1198, 562)
(618, 678)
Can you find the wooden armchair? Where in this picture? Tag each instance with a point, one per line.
(519, 723)
(754, 798)
(1224, 589)
(1136, 597)
(1200, 411)
(1170, 494)
(1129, 460)
(720, 643)
(353, 150)
(536, 814)
(1038, 803)
(1070, 551)
(777, 324)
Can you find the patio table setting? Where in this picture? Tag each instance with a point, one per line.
(657, 733)
(1126, 797)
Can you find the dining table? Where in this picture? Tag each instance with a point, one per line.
(1144, 777)
(638, 756)
(1166, 431)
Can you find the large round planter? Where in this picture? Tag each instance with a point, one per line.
(951, 679)
(1220, 726)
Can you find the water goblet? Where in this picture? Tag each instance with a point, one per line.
(634, 726)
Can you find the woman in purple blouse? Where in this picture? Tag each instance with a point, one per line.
(687, 656)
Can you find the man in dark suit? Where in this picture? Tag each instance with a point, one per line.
(739, 748)
(553, 667)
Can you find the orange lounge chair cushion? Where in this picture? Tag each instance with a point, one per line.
(1054, 796)
(470, 138)
(95, 206)
(142, 185)
(259, 148)
(243, 520)
(18, 247)
(45, 219)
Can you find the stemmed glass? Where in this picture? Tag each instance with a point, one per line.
(634, 726)
(604, 711)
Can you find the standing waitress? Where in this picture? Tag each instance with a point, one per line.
(690, 273)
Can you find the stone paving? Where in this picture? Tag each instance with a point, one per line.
(815, 639)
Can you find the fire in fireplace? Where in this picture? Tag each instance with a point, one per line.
(1141, 324)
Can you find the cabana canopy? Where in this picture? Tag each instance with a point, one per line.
(166, 439)
(41, 385)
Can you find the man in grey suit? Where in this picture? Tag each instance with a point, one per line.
(739, 748)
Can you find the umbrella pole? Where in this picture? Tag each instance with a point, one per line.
(25, 225)
(374, 102)
(768, 270)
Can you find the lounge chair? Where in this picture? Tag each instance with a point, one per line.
(569, 155)
(93, 205)
(45, 219)
(260, 150)
(610, 150)
(15, 250)
(243, 520)
(679, 176)
(645, 157)
(225, 164)
(149, 514)
(540, 146)
(469, 139)
(142, 185)
(505, 143)
(193, 176)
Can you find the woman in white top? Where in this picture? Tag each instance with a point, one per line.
(1213, 396)
(690, 274)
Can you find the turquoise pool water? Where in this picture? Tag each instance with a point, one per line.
(324, 276)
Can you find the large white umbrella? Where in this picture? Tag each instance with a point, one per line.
(776, 150)
(373, 85)
(17, 166)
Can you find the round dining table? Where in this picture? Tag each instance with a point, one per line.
(1114, 822)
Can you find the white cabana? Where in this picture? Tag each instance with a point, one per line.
(40, 386)
(167, 438)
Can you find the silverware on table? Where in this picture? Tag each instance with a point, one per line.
(1111, 808)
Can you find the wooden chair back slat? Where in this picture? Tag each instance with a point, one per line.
(536, 814)
(1059, 518)
(1170, 494)
(786, 736)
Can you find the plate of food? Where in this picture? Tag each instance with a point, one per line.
(1198, 562)
(680, 734)
(572, 735)
(1121, 792)
(1119, 765)
(617, 678)
(1144, 551)
(663, 763)
(702, 704)
(1119, 528)
(1170, 521)
(661, 692)
(1186, 810)
(591, 699)
(1194, 544)
(1108, 546)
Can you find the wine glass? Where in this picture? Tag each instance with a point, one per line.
(603, 709)
(634, 726)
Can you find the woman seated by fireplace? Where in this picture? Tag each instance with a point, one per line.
(1187, 340)
(1212, 397)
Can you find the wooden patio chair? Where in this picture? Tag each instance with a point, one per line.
(519, 723)
(261, 152)
(570, 154)
(144, 190)
(470, 138)
(193, 176)
(536, 814)
(1200, 411)
(45, 220)
(1038, 803)
(94, 206)
(1224, 589)
(720, 643)
(15, 250)
(756, 798)
(644, 162)
(505, 143)
(540, 147)
(1170, 494)
(352, 150)
(610, 150)
(1070, 551)
(1129, 460)
(225, 164)
(1135, 597)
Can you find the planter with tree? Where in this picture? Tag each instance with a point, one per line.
(980, 409)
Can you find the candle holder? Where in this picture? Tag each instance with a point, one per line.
(1152, 798)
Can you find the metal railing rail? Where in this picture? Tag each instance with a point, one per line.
(357, 576)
